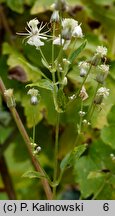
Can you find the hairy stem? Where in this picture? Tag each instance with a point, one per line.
(26, 138)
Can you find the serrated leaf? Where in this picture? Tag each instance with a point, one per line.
(72, 157)
(77, 51)
(43, 83)
(33, 174)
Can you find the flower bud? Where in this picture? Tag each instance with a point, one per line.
(8, 93)
(102, 74)
(60, 5)
(77, 32)
(55, 17)
(10, 98)
(100, 53)
(101, 94)
(81, 113)
(34, 100)
(64, 82)
(84, 66)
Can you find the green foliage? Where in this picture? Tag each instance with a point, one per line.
(97, 169)
(15, 5)
(43, 83)
(72, 157)
(77, 52)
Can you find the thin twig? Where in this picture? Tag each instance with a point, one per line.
(26, 138)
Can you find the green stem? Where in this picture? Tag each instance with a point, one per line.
(90, 112)
(80, 125)
(82, 84)
(56, 155)
(53, 46)
(34, 128)
(43, 56)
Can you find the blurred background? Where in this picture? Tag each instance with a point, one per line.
(98, 24)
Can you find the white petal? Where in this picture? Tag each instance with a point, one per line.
(77, 32)
(57, 41)
(35, 41)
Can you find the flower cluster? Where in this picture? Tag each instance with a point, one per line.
(34, 33)
(70, 28)
(83, 66)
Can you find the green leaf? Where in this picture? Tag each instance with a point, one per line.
(45, 64)
(17, 59)
(77, 52)
(108, 135)
(111, 115)
(5, 118)
(65, 162)
(33, 174)
(103, 2)
(33, 113)
(43, 83)
(16, 5)
(33, 68)
(41, 6)
(98, 158)
(72, 157)
(61, 100)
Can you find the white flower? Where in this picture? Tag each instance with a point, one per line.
(102, 51)
(35, 41)
(83, 94)
(68, 26)
(34, 100)
(69, 23)
(72, 97)
(58, 41)
(33, 92)
(55, 16)
(34, 34)
(81, 113)
(8, 93)
(103, 92)
(66, 61)
(83, 65)
(104, 68)
(77, 32)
